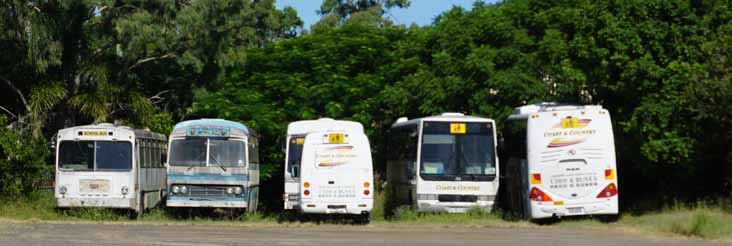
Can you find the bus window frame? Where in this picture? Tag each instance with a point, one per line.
(460, 177)
(95, 169)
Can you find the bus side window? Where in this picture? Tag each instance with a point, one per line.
(145, 159)
(253, 150)
(156, 154)
(410, 142)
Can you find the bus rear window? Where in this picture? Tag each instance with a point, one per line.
(95, 155)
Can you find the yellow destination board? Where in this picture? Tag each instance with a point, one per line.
(335, 138)
(457, 128)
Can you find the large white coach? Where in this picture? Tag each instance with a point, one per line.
(442, 163)
(328, 168)
(109, 166)
(560, 161)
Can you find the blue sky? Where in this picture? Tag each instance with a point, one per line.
(421, 12)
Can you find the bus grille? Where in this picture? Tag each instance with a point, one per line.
(457, 198)
(207, 191)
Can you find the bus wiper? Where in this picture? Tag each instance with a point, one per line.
(223, 168)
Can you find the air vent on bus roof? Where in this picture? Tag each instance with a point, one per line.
(402, 119)
(105, 124)
(326, 119)
(452, 114)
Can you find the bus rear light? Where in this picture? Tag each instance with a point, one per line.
(311, 205)
(306, 192)
(366, 184)
(539, 196)
(609, 174)
(366, 192)
(306, 185)
(536, 178)
(361, 205)
(609, 191)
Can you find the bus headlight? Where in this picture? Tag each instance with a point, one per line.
(62, 190)
(230, 190)
(125, 190)
(183, 189)
(237, 190)
(175, 189)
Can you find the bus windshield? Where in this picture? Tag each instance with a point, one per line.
(95, 155)
(467, 156)
(294, 155)
(221, 152)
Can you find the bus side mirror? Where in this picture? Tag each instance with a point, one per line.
(164, 159)
(283, 145)
(501, 144)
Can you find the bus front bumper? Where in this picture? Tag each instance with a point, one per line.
(69, 202)
(353, 207)
(205, 203)
(452, 207)
(540, 210)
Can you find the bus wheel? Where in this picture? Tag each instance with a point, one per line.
(608, 218)
(546, 221)
(363, 219)
(132, 214)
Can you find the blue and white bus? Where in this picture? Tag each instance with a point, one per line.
(213, 163)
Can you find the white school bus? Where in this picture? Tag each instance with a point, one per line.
(109, 166)
(560, 161)
(442, 163)
(328, 168)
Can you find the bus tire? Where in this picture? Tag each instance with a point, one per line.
(363, 219)
(545, 221)
(608, 218)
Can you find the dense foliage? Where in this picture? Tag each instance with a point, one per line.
(660, 67)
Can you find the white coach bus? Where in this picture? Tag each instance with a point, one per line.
(328, 169)
(442, 163)
(560, 161)
(109, 166)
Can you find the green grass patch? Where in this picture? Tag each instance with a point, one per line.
(707, 220)
(702, 221)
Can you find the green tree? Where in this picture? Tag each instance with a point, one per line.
(336, 12)
(124, 61)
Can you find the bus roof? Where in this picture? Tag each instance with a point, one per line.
(443, 117)
(212, 122)
(139, 133)
(322, 124)
(524, 111)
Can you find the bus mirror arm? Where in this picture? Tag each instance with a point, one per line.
(501, 144)
(293, 171)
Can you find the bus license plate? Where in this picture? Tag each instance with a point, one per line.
(94, 185)
(578, 210)
(335, 138)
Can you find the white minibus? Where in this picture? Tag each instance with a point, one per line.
(328, 169)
